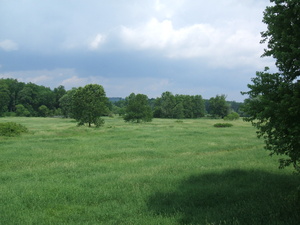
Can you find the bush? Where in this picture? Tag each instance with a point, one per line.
(11, 129)
(232, 116)
(99, 122)
(223, 125)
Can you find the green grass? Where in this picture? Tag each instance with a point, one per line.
(164, 172)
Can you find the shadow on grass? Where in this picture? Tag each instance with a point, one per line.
(232, 197)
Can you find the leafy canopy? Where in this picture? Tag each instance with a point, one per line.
(273, 105)
(138, 109)
(89, 104)
(218, 106)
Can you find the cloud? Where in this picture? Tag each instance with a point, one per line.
(167, 8)
(8, 45)
(220, 46)
(48, 78)
(74, 81)
(97, 41)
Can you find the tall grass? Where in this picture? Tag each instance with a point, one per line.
(164, 172)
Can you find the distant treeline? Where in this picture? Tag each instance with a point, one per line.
(29, 99)
(184, 106)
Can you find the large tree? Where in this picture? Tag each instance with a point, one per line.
(89, 104)
(137, 108)
(218, 106)
(273, 105)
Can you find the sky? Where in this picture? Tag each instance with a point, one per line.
(191, 47)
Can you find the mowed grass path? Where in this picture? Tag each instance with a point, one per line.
(164, 172)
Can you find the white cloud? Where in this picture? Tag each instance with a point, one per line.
(97, 42)
(41, 79)
(167, 8)
(226, 46)
(8, 45)
(48, 78)
(74, 81)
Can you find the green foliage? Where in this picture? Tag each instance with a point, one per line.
(282, 36)
(137, 109)
(43, 111)
(99, 122)
(89, 104)
(11, 129)
(273, 105)
(223, 125)
(167, 105)
(66, 102)
(218, 106)
(232, 116)
(4, 98)
(179, 106)
(21, 110)
(58, 93)
(273, 108)
(31, 96)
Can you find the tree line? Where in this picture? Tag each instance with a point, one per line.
(29, 99)
(178, 106)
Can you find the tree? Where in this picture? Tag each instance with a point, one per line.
(21, 110)
(198, 106)
(178, 111)
(66, 102)
(43, 111)
(218, 106)
(4, 98)
(14, 88)
(138, 109)
(273, 105)
(89, 104)
(168, 104)
(58, 93)
(35, 96)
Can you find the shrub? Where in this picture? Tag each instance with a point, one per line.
(223, 125)
(99, 122)
(232, 116)
(11, 129)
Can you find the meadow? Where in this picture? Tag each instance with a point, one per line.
(164, 172)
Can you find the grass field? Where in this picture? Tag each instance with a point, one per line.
(164, 172)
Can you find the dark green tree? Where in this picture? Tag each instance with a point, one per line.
(178, 111)
(43, 111)
(157, 110)
(273, 105)
(21, 110)
(137, 109)
(66, 102)
(58, 93)
(14, 88)
(198, 106)
(218, 106)
(28, 97)
(89, 104)
(168, 104)
(4, 98)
